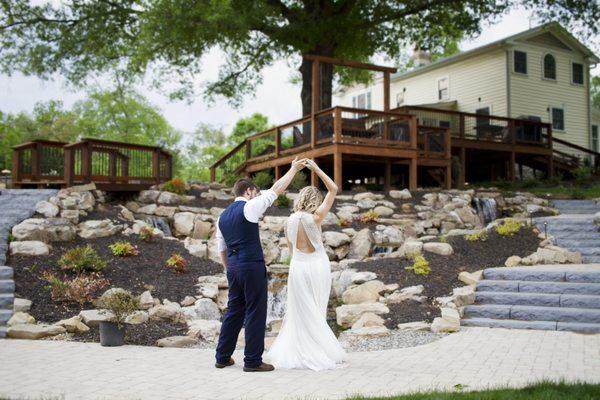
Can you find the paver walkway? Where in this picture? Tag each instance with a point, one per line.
(477, 357)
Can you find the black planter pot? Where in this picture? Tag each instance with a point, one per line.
(111, 334)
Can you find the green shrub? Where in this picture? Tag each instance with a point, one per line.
(11, 237)
(477, 236)
(147, 233)
(577, 194)
(123, 249)
(420, 265)
(530, 183)
(120, 304)
(82, 258)
(177, 263)
(282, 201)
(263, 179)
(582, 174)
(78, 290)
(369, 216)
(509, 227)
(299, 181)
(175, 185)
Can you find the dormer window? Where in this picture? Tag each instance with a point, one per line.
(549, 67)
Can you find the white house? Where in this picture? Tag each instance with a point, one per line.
(542, 73)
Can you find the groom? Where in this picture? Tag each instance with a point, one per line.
(242, 256)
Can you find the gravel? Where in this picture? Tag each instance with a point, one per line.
(395, 340)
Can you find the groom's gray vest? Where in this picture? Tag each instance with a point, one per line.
(241, 236)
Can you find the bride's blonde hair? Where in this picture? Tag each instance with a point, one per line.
(309, 199)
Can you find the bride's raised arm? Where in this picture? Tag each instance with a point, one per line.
(332, 190)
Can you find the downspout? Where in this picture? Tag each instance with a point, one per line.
(508, 110)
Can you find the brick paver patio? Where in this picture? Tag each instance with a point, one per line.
(475, 357)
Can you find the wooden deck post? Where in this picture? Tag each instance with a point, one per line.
(156, 166)
(86, 162)
(213, 174)
(337, 125)
(68, 167)
(550, 166)
(387, 176)
(412, 174)
(511, 166)
(16, 168)
(337, 168)
(413, 132)
(386, 91)
(35, 162)
(463, 167)
(112, 167)
(248, 153)
(277, 172)
(277, 142)
(448, 177)
(315, 102)
(461, 126)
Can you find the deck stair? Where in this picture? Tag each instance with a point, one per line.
(546, 297)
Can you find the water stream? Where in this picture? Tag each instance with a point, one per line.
(486, 209)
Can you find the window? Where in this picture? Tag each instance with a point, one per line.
(482, 116)
(549, 67)
(444, 124)
(577, 73)
(520, 62)
(558, 118)
(427, 121)
(595, 145)
(443, 89)
(362, 101)
(400, 98)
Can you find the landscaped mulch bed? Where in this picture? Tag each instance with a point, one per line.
(147, 271)
(143, 334)
(468, 256)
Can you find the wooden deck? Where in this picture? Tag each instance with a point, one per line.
(112, 166)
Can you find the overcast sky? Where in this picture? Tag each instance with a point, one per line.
(276, 96)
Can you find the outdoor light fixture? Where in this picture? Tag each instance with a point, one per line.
(546, 229)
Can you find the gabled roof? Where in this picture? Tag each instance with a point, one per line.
(555, 28)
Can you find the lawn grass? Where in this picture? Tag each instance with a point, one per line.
(539, 391)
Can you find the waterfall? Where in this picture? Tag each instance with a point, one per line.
(486, 209)
(160, 223)
(382, 249)
(276, 299)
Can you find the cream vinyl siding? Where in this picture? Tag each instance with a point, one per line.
(531, 94)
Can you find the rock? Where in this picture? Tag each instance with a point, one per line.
(407, 293)
(34, 331)
(348, 212)
(366, 332)
(383, 211)
(597, 218)
(451, 315)
(470, 278)
(412, 248)
(202, 309)
(184, 223)
(362, 277)
(202, 229)
(552, 255)
(176, 341)
(20, 318)
(400, 194)
(366, 204)
(146, 300)
(512, 261)
(463, 296)
(365, 293)
(414, 326)
(29, 248)
(209, 290)
(137, 317)
(196, 247)
(23, 305)
(88, 187)
(70, 215)
(47, 209)
(165, 211)
(348, 314)
(443, 249)
(207, 330)
(149, 209)
(96, 229)
(368, 320)
(341, 280)
(148, 196)
(45, 230)
(220, 280)
(222, 299)
(169, 310)
(330, 219)
(94, 317)
(169, 198)
(73, 325)
(361, 244)
(335, 239)
(366, 195)
(441, 325)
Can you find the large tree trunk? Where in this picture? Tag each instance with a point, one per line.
(326, 85)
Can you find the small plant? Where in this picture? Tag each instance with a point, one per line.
(80, 259)
(262, 179)
(343, 222)
(11, 237)
(175, 185)
(420, 265)
(369, 216)
(177, 263)
(147, 233)
(78, 290)
(582, 174)
(123, 249)
(282, 201)
(121, 304)
(480, 236)
(530, 183)
(509, 227)
(577, 194)
(299, 181)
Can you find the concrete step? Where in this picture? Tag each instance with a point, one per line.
(533, 313)
(3, 331)
(7, 301)
(540, 325)
(539, 287)
(6, 273)
(538, 299)
(7, 286)
(586, 243)
(5, 316)
(546, 273)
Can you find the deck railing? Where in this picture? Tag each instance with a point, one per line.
(112, 164)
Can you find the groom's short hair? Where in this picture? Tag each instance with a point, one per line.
(241, 185)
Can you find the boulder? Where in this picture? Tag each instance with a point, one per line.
(20, 318)
(366, 195)
(383, 211)
(348, 314)
(368, 320)
(597, 218)
(148, 196)
(70, 215)
(366, 332)
(176, 341)
(272, 223)
(341, 280)
(165, 211)
(367, 292)
(45, 230)
(196, 247)
(202, 229)
(400, 194)
(146, 300)
(137, 317)
(443, 249)
(220, 280)
(463, 296)
(470, 278)
(411, 248)
(168, 198)
(335, 239)
(361, 244)
(184, 223)
(29, 248)
(448, 322)
(202, 309)
(552, 255)
(209, 290)
(98, 228)
(362, 277)
(207, 330)
(34, 331)
(414, 326)
(149, 209)
(366, 204)
(169, 310)
(47, 209)
(94, 317)
(513, 261)
(330, 219)
(21, 305)
(73, 325)
(407, 293)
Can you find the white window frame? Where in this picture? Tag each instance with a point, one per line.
(582, 70)
(526, 63)
(597, 139)
(482, 106)
(544, 68)
(400, 98)
(437, 88)
(551, 117)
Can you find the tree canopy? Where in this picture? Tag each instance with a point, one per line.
(167, 39)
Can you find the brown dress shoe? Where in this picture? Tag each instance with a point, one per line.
(227, 364)
(264, 367)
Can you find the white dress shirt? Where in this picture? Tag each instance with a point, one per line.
(254, 209)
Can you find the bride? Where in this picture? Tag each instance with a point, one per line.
(305, 339)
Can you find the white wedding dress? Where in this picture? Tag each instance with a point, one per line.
(305, 340)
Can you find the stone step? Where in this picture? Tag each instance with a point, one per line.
(5, 316)
(533, 313)
(539, 287)
(6, 273)
(3, 331)
(580, 243)
(538, 299)
(540, 325)
(7, 286)
(7, 301)
(547, 273)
